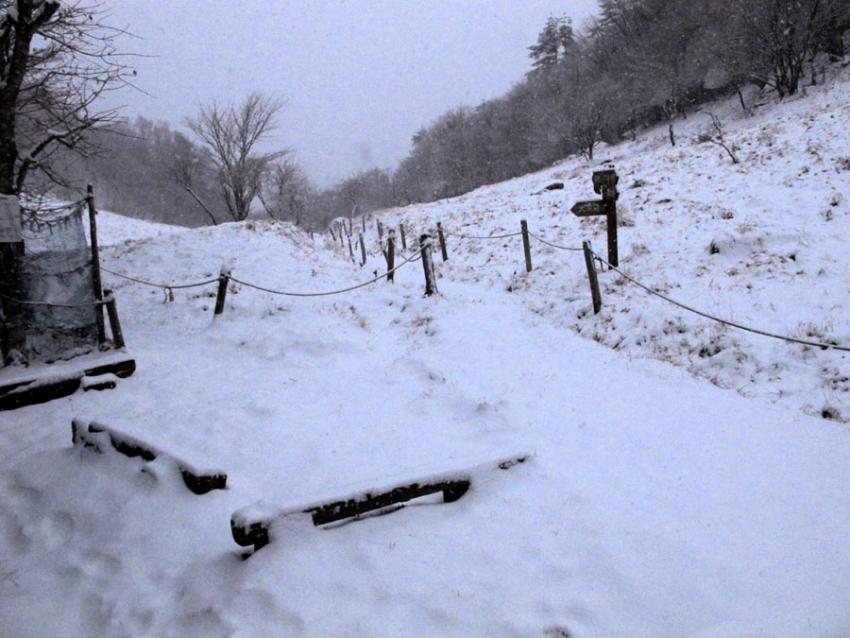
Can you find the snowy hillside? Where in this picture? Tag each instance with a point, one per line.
(653, 503)
(763, 242)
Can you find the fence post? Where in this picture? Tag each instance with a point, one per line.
(526, 245)
(380, 231)
(351, 250)
(403, 238)
(363, 219)
(362, 251)
(114, 322)
(592, 278)
(611, 223)
(223, 281)
(427, 265)
(390, 254)
(442, 238)
(95, 262)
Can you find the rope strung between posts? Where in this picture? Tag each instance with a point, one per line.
(144, 282)
(322, 294)
(459, 236)
(548, 243)
(733, 324)
(25, 302)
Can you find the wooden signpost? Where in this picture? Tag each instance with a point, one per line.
(605, 184)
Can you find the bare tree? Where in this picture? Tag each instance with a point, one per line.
(56, 61)
(184, 166)
(289, 192)
(717, 136)
(776, 38)
(231, 135)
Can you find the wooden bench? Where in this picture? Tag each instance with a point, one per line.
(97, 436)
(252, 526)
(30, 386)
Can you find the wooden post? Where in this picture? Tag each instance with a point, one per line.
(350, 249)
(592, 278)
(390, 255)
(114, 322)
(223, 281)
(95, 263)
(403, 238)
(331, 228)
(380, 232)
(427, 266)
(526, 245)
(442, 238)
(14, 328)
(611, 219)
(362, 251)
(363, 219)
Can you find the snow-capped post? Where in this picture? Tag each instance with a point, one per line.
(362, 251)
(427, 264)
(442, 237)
(223, 282)
(403, 238)
(380, 231)
(95, 265)
(526, 245)
(114, 322)
(592, 278)
(351, 250)
(390, 254)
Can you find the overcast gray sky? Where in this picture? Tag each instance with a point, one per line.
(360, 77)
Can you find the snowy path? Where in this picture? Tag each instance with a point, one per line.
(654, 505)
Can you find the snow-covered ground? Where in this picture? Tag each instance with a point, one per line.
(763, 242)
(654, 503)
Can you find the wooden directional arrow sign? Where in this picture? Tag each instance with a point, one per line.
(590, 209)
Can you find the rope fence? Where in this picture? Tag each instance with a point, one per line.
(144, 282)
(726, 322)
(424, 253)
(328, 293)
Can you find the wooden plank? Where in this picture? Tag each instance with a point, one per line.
(589, 209)
(252, 525)
(89, 434)
(48, 385)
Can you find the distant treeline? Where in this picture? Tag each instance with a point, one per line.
(638, 64)
(142, 169)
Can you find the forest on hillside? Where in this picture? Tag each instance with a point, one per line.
(638, 63)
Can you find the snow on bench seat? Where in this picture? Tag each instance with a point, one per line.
(22, 386)
(252, 525)
(97, 436)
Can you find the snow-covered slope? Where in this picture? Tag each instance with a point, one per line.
(763, 242)
(654, 503)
